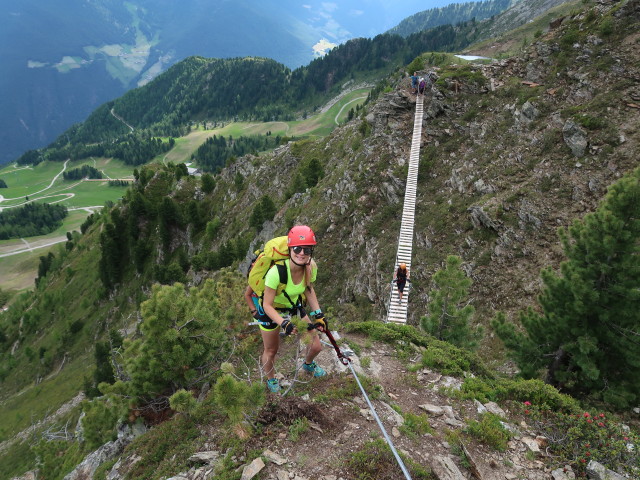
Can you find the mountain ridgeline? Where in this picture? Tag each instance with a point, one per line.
(247, 89)
(451, 15)
(511, 152)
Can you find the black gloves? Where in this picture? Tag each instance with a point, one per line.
(287, 327)
(320, 321)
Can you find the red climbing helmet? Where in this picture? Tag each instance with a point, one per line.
(300, 236)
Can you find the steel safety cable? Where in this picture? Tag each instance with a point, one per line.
(373, 410)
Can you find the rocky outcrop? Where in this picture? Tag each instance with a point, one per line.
(575, 138)
(107, 452)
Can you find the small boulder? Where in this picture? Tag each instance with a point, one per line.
(575, 138)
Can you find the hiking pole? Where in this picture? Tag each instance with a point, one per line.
(347, 361)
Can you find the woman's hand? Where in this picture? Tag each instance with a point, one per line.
(320, 323)
(287, 327)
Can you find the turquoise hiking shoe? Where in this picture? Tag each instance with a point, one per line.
(273, 385)
(314, 368)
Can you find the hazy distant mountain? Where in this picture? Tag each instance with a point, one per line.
(60, 59)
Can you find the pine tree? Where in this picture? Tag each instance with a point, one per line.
(588, 334)
(184, 337)
(264, 210)
(449, 311)
(236, 399)
(312, 172)
(208, 183)
(99, 422)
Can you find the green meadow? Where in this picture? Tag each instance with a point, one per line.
(19, 258)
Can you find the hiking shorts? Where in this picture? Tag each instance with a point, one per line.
(401, 285)
(269, 325)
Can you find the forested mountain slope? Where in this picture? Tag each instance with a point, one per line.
(510, 152)
(451, 14)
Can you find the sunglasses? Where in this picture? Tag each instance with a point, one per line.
(306, 250)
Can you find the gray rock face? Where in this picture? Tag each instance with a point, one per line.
(445, 469)
(480, 219)
(565, 473)
(90, 464)
(206, 458)
(529, 111)
(575, 138)
(252, 469)
(107, 452)
(597, 471)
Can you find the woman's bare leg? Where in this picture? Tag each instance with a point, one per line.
(314, 348)
(271, 341)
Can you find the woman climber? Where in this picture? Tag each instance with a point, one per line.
(301, 272)
(400, 277)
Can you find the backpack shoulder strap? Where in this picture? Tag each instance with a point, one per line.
(283, 272)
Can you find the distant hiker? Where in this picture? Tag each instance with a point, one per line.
(414, 82)
(421, 85)
(276, 308)
(400, 277)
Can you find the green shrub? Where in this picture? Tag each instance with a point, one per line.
(99, 422)
(57, 457)
(297, 428)
(166, 358)
(415, 424)
(364, 128)
(164, 449)
(455, 438)
(606, 26)
(470, 114)
(16, 459)
(375, 461)
(591, 123)
(357, 349)
(102, 471)
(518, 390)
(415, 65)
(438, 354)
(445, 360)
(236, 398)
(571, 36)
(183, 402)
(490, 430)
(462, 75)
(449, 312)
(577, 438)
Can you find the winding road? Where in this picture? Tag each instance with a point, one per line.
(29, 247)
(343, 107)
